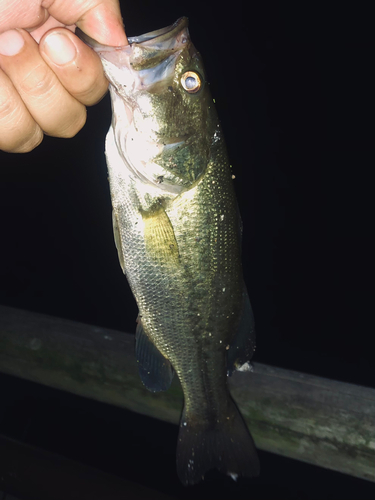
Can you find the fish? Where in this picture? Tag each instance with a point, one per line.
(178, 231)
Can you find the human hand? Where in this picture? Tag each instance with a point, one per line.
(47, 74)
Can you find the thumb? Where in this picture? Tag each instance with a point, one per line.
(100, 19)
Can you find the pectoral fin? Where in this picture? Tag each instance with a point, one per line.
(155, 370)
(160, 239)
(243, 345)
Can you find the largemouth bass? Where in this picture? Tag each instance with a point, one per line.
(178, 234)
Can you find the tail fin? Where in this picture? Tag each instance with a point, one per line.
(226, 445)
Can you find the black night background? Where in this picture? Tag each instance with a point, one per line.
(293, 84)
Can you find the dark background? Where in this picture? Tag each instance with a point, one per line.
(293, 84)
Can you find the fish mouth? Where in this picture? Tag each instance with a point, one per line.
(163, 34)
(160, 40)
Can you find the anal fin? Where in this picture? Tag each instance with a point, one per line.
(243, 345)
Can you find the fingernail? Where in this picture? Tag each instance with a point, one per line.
(11, 42)
(59, 48)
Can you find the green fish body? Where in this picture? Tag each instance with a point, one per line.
(178, 235)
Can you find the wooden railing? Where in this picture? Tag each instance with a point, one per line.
(324, 422)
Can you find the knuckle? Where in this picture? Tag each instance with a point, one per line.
(75, 124)
(93, 86)
(38, 82)
(89, 87)
(7, 105)
(18, 131)
(23, 143)
(90, 96)
(30, 143)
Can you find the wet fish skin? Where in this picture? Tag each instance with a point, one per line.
(178, 235)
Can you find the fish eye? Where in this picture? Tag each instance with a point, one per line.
(191, 82)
